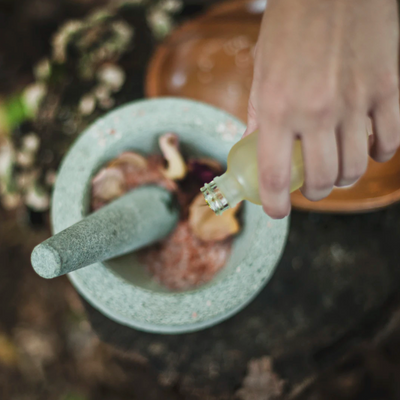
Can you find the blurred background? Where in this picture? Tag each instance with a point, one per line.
(328, 324)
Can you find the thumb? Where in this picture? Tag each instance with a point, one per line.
(252, 123)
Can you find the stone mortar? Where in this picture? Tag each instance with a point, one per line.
(121, 288)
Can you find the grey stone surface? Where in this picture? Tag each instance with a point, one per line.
(133, 299)
(137, 219)
(336, 283)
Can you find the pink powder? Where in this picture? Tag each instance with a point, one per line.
(182, 261)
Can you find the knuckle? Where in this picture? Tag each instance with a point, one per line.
(388, 87)
(276, 108)
(355, 96)
(274, 181)
(323, 111)
(275, 103)
(321, 105)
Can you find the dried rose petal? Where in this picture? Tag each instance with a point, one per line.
(204, 170)
(152, 174)
(205, 164)
(208, 226)
(127, 172)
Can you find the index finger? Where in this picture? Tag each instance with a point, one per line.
(275, 147)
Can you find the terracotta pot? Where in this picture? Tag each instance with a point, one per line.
(210, 59)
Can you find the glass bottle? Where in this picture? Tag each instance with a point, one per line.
(240, 181)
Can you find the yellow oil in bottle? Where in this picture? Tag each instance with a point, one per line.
(240, 181)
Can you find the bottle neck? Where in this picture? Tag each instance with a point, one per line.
(222, 193)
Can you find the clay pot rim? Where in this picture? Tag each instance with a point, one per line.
(332, 206)
(152, 78)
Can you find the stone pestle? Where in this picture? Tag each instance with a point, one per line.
(135, 220)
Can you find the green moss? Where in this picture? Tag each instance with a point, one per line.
(15, 111)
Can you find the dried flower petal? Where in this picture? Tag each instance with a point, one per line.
(137, 169)
(204, 170)
(108, 184)
(130, 159)
(169, 144)
(127, 172)
(208, 226)
(208, 162)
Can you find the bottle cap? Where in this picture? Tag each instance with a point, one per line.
(214, 198)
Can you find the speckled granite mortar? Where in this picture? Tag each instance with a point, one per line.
(121, 288)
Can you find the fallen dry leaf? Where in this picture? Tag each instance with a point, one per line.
(261, 383)
(8, 351)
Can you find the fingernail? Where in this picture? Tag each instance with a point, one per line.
(277, 206)
(315, 195)
(345, 184)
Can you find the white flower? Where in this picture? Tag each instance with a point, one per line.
(87, 104)
(33, 95)
(37, 198)
(31, 143)
(112, 76)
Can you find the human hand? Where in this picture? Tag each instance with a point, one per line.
(322, 67)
